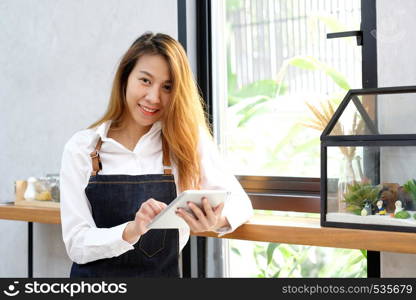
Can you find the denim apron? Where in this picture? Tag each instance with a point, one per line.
(115, 200)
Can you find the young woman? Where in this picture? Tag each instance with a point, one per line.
(117, 175)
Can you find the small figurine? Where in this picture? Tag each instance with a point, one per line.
(367, 209)
(399, 206)
(389, 195)
(380, 209)
(400, 212)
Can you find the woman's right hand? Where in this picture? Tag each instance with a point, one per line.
(146, 213)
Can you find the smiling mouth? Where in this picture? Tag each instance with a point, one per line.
(147, 111)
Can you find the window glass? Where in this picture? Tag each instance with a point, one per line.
(283, 78)
(275, 75)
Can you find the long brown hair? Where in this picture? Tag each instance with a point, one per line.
(184, 118)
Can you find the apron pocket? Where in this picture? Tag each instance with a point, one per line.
(152, 242)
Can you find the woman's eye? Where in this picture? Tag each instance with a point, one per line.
(145, 80)
(167, 87)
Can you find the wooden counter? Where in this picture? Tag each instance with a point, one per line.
(30, 214)
(266, 228)
(307, 231)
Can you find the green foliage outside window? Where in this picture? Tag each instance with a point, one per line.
(297, 261)
(257, 100)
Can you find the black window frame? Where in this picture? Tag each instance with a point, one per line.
(300, 194)
(269, 192)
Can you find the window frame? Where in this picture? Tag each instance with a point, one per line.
(299, 194)
(276, 187)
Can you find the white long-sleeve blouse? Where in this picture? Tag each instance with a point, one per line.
(85, 242)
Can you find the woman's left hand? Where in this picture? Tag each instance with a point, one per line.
(207, 218)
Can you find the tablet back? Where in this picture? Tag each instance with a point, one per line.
(168, 219)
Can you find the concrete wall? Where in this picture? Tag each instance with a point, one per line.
(396, 41)
(57, 62)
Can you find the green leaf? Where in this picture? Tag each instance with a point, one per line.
(306, 146)
(254, 112)
(258, 88)
(231, 76)
(356, 260)
(236, 251)
(364, 253)
(270, 251)
(287, 251)
(311, 63)
(276, 275)
(251, 106)
(232, 83)
(291, 134)
(304, 62)
(243, 102)
(337, 77)
(233, 100)
(410, 188)
(402, 215)
(232, 5)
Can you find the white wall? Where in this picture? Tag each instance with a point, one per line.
(57, 62)
(396, 44)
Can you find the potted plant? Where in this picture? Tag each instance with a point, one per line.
(360, 193)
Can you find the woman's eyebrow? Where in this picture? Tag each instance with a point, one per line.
(150, 75)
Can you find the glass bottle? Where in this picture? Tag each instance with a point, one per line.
(346, 177)
(54, 186)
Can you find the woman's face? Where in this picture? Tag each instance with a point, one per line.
(148, 90)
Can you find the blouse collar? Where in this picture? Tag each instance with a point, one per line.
(102, 129)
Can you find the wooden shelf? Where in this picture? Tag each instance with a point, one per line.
(266, 228)
(47, 215)
(307, 231)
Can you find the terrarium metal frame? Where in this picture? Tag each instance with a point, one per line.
(361, 140)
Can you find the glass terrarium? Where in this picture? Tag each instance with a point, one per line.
(368, 161)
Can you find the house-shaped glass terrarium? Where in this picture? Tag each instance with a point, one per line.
(368, 161)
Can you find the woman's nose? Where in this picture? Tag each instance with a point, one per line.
(153, 94)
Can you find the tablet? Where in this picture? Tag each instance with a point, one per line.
(168, 219)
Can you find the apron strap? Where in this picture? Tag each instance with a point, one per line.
(97, 166)
(167, 168)
(95, 157)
